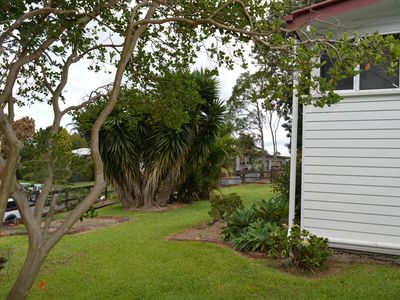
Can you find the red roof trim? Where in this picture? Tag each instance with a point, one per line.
(324, 10)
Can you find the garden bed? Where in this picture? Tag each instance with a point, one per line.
(86, 225)
(338, 263)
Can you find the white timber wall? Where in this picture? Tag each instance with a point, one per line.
(351, 172)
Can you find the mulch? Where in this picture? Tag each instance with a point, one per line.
(86, 225)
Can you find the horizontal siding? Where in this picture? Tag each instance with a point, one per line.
(355, 116)
(376, 190)
(351, 169)
(371, 218)
(357, 106)
(351, 161)
(353, 152)
(353, 208)
(350, 234)
(364, 227)
(352, 134)
(356, 180)
(354, 197)
(355, 144)
(352, 125)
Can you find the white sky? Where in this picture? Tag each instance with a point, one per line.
(82, 81)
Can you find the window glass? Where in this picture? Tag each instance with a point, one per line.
(377, 77)
(11, 205)
(344, 84)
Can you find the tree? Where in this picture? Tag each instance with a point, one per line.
(246, 108)
(147, 154)
(24, 129)
(40, 40)
(35, 161)
(78, 141)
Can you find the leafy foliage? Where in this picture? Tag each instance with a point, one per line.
(78, 141)
(34, 162)
(91, 213)
(81, 169)
(256, 229)
(3, 261)
(274, 210)
(157, 142)
(281, 183)
(261, 237)
(222, 206)
(238, 222)
(307, 251)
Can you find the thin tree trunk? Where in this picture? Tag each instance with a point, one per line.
(260, 125)
(28, 273)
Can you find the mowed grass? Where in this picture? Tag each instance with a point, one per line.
(134, 261)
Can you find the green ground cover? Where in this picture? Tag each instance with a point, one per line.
(134, 261)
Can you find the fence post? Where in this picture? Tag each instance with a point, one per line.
(66, 200)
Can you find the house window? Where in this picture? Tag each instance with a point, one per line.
(371, 77)
(377, 76)
(343, 84)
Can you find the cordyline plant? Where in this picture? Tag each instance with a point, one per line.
(40, 40)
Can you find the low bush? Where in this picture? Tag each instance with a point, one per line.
(275, 210)
(238, 223)
(257, 229)
(91, 213)
(222, 206)
(261, 237)
(307, 251)
(3, 261)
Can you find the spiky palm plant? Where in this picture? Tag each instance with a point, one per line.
(146, 161)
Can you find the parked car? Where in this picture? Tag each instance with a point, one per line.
(37, 186)
(12, 213)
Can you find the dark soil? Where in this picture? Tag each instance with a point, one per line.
(86, 225)
(339, 262)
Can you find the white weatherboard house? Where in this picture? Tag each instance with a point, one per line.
(351, 150)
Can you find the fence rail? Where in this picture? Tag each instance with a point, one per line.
(245, 178)
(67, 199)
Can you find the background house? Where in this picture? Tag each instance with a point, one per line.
(264, 161)
(351, 150)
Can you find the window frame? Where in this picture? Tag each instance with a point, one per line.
(356, 83)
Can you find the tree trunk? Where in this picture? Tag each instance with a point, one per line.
(28, 273)
(148, 201)
(125, 196)
(165, 194)
(205, 193)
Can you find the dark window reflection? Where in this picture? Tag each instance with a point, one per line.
(377, 77)
(344, 84)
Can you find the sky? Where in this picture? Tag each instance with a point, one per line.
(82, 81)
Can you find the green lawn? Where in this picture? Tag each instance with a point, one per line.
(134, 261)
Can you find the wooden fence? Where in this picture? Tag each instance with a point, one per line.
(67, 199)
(245, 178)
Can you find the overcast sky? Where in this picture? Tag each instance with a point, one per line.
(82, 81)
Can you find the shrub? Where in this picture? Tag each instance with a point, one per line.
(247, 231)
(222, 206)
(90, 213)
(275, 210)
(305, 250)
(3, 261)
(281, 183)
(238, 222)
(261, 237)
